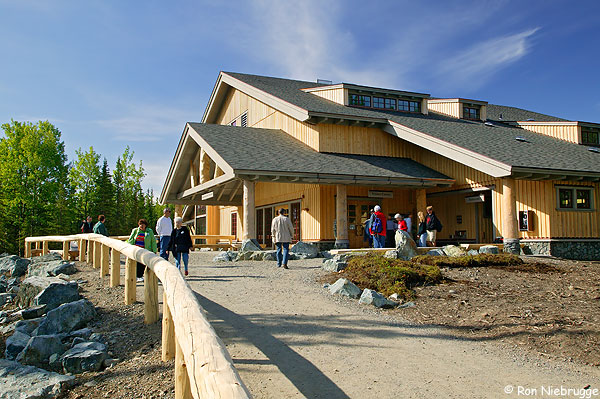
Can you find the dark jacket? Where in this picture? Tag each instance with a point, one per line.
(180, 240)
(432, 222)
(422, 229)
(100, 228)
(86, 227)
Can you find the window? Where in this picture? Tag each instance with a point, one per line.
(575, 198)
(234, 224)
(378, 102)
(589, 136)
(410, 106)
(234, 123)
(361, 101)
(244, 119)
(390, 103)
(471, 113)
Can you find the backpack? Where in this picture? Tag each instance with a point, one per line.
(439, 225)
(376, 226)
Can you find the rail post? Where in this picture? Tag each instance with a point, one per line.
(115, 268)
(90, 251)
(104, 260)
(130, 267)
(150, 297)
(28, 249)
(82, 250)
(168, 332)
(97, 254)
(65, 250)
(45, 248)
(182, 380)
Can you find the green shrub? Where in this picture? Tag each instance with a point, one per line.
(469, 261)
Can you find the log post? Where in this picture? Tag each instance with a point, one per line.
(90, 251)
(421, 200)
(130, 268)
(249, 211)
(82, 250)
(510, 229)
(65, 250)
(168, 332)
(28, 249)
(104, 260)
(150, 297)
(97, 254)
(115, 268)
(182, 380)
(45, 248)
(341, 217)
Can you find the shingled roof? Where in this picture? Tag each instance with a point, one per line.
(498, 143)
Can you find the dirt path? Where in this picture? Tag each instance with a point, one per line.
(290, 339)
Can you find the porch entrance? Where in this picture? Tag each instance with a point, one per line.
(358, 214)
(265, 215)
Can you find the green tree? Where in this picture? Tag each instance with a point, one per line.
(104, 195)
(33, 171)
(83, 177)
(129, 196)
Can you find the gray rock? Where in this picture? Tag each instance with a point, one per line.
(308, 250)
(28, 326)
(14, 290)
(28, 382)
(8, 329)
(46, 258)
(370, 297)
(256, 255)
(454, 251)
(13, 282)
(51, 268)
(269, 255)
(108, 363)
(77, 341)
(225, 256)
(250, 245)
(6, 298)
(50, 291)
(344, 287)
(3, 286)
(408, 305)
(472, 252)
(489, 249)
(13, 266)
(67, 317)
(39, 349)
(392, 254)
(405, 245)
(325, 254)
(33, 312)
(394, 297)
(64, 277)
(436, 252)
(82, 333)
(15, 344)
(87, 356)
(97, 337)
(54, 362)
(333, 265)
(244, 256)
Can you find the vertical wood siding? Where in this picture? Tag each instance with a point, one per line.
(450, 108)
(335, 95)
(571, 134)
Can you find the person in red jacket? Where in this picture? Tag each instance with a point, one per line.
(377, 227)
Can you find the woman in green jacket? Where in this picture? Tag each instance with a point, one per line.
(142, 236)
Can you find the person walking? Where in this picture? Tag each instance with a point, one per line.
(377, 229)
(421, 230)
(367, 237)
(433, 225)
(180, 244)
(401, 223)
(143, 237)
(86, 225)
(282, 232)
(390, 231)
(100, 228)
(164, 228)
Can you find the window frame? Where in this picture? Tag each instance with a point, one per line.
(382, 102)
(585, 132)
(234, 222)
(359, 96)
(474, 108)
(574, 207)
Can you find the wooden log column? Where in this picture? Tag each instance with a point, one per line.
(510, 229)
(421, 200)
(97, 254)
(28, 249)
(81, 245)
(150, 297)
(65, 250)
(182, 380)
(341, 217)
(115, 268)
(104, 260)
(249, 211)
(45, 248)
(90, 251)
(168, 332)
(130, 268)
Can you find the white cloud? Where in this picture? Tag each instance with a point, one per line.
(156, 173)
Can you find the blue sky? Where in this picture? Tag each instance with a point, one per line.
(115, 73)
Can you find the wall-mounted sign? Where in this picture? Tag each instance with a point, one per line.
(380, 194)
(208, 195)
(475, 198)
(526, 220)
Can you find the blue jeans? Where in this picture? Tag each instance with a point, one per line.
(379, 241)
(164, 244)
(282, 259)
(423, 240)
(178, 256)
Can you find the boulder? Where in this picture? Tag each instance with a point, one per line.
(51, 268)
(13, 266)
(225, 256)
(28, 382)
(97, 337)
(472, 252)
(256, 255)
(250, 245)
(436, 252)
(269, 255)
(46, 258)
(305, 250)
(83, 333)
(66, 318)
(345, 287)
(244, 256)
(6, 298)
(15, 344)
(38, 350)
(405, 245)
(392, 254)
(408, 305)
(325, 254)
(33, 312)
(87, 356)
(28, 326)
(489, 249)
(454, 251)
(370, 297)
(333, 265)
(3, 286)
(50, 291)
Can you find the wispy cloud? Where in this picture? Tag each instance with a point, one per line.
(474, 66)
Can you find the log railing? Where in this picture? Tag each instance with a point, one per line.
(203, 367)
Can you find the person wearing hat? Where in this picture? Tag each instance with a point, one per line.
(377, 228)
(164, 228)
(401, 222)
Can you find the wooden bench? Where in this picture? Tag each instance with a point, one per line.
(228, 244)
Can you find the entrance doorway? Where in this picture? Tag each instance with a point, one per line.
(265, 215)
(358, 214)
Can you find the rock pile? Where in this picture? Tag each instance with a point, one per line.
(250, 250)
(345, 287)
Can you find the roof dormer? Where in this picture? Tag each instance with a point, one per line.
(460, 108)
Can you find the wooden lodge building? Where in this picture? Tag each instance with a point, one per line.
(330, 152)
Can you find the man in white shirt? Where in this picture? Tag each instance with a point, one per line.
(164, 228)
(282, 231)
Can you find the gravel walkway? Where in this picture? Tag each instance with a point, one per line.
(290, 339)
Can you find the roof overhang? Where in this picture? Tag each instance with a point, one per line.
(522, 173)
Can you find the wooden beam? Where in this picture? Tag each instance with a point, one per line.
(235, 190)
(541, 177)
(523, 176)
(204, 186)
(340, 122)
(221, 192)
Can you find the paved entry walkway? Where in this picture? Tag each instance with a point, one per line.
(290, 339)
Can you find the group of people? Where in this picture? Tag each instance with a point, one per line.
(380, 232)
(98, 228)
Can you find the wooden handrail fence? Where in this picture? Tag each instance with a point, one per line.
(203, 367)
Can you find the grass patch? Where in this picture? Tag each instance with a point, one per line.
(480, 260)
(389, 276)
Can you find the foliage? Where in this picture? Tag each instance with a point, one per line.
(469, 261)
(390, 276)
(83, 177)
